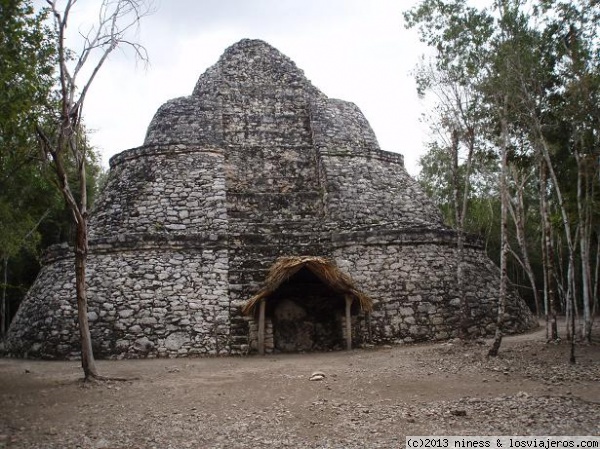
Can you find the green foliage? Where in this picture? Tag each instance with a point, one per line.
(32, 211)
(535, 63)
(459, 32)
(26, 71)
(26, 80)
(483, 208)
(26, 68)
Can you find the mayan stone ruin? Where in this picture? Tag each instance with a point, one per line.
(257, 165)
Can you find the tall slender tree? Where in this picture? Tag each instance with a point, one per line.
(451, 78)
(65, 139)
(538, 78)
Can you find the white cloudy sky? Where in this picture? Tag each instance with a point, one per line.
(355, 50)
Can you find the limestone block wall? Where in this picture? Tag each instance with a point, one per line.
(175, 298)
(412, 276)
(45, 324)
(147, 301)
(340, 127)
(172, 189)
(272, 185)
(250, 258)
(183, 121)
(375, 190)
(254, 95)
(363, 184)
(260, 119)
(360, 333)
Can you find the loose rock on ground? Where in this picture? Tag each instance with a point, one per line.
(368, 398)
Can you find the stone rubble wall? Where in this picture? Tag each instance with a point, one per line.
(146, 303)
(271, 186)
(412, 278)
(250, 258)
(172, 189)
(252, 96)
(176, 298)
(181, 121)
(363, 184)
(360, 333)
(45, 323)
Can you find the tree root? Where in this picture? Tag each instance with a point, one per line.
(97, 378)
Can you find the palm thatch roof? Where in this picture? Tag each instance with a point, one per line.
(326, 270)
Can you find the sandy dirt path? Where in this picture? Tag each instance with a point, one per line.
(368, 398)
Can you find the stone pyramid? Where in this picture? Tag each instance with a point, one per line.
(254, 165)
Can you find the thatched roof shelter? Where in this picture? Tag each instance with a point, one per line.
(326, 270)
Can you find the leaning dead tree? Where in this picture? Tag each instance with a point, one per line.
(63, 141)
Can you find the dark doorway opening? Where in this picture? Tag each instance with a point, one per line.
(307, 314)
(309, 305)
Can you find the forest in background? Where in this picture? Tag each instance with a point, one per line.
(514, 95)
(33, 214)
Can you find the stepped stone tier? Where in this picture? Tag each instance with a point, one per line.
(258, 164)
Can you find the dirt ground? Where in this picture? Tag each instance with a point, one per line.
(369, 398)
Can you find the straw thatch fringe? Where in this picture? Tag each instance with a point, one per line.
(326, 270)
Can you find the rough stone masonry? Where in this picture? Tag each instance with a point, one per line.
(256, 164)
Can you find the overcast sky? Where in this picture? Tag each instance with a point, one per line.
(355, 50)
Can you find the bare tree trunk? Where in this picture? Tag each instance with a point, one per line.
(518, 215)
(545, 279)
(459, 220)
(596, 277)
(3, 317)
(571, 309)
(567, 232)
(584, 218)
(493, 352)
(115, 18)
(460, 210)
(572, 352)
(88, 362)
(549, 251)
(79, 211)
(572, 282)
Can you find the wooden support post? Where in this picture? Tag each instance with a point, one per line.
(348, 323)
(261, 327)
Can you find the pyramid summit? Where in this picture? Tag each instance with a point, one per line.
(253, 61)
(258, 188)
(243, 78)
